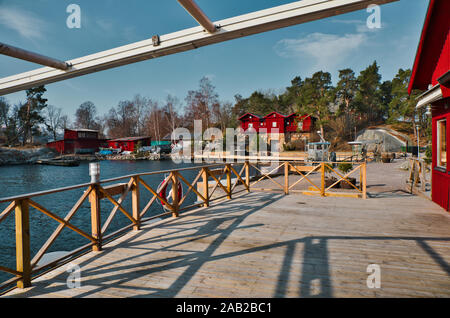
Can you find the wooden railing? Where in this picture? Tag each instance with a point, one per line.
(417, 174)
(208, 179)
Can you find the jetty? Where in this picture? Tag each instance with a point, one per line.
(279, 239)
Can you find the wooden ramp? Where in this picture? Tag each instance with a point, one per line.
(269, 245)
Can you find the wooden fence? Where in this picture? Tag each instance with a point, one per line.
(230, 178)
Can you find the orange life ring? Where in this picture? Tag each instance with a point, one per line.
(162, 189)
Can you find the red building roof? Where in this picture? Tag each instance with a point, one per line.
(129, 139)
(248, 115)
(433, 53)
(276, 113)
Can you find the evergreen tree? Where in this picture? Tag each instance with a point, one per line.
(368, 97)
(315, 97)
(402, 105)
(30, 113)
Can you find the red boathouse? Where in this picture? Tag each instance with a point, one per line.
(431, 73)
(129, 143)
(77, 141)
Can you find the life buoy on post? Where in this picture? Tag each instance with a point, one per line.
(162, 191)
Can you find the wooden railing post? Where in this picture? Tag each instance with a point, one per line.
(205, 185)
(23, 254)
(94, 199)
(286, 178)
(135, 198)
(228, 171)
(364, 180)
(322, 179)
(175, 198)
(247, 175)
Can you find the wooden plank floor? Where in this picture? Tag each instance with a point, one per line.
(270, 245)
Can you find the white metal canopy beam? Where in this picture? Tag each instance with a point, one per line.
(257, 22)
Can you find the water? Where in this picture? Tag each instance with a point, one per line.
(16, 180)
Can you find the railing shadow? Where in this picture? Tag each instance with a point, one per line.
(315, 277)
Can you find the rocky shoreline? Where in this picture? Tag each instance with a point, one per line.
(14, 156)
(9, 156)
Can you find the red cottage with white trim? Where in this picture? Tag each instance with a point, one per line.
(250, 120)
(431, 72)
(296, 123)
(274, 121)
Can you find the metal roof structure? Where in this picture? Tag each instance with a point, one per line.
(189, 39)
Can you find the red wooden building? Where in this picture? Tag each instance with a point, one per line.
(431, 73)
(129, 143)
(77, 141)
(250, 120)
(275, 120)
(275, 123)
(295, 123)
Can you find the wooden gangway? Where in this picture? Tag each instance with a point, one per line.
(265, 244)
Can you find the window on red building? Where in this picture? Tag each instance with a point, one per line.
(442, 143)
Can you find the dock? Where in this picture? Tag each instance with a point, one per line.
(271, 245)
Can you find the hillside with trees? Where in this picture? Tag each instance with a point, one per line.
(354, 103)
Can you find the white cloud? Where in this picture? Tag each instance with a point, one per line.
(23, 22)
(326, 50)
(105, 26)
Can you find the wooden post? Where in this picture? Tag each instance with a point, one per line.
(94, 199)
(135, 197)
(361, 177)
(364, 181)
(423, 179)
(286, 178)
(175, 198)
(23, 255)
(228, 171)
(322, 179)
(247, 175)
(205, 192)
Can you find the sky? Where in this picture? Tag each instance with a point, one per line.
(265, 62)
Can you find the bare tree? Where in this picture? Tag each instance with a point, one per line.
(65, 122)
(170, 109)
(141, 105)
(53, 119)
(85, 116)
(200, 104)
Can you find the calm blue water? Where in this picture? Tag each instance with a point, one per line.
(15, 180)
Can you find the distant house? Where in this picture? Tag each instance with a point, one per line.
(250, 121)
(296, 123)
(279, 127)
(129, 143)
(77, 141)
(275, 123)
(431, 73)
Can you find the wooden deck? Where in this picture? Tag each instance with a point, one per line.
(270, 245)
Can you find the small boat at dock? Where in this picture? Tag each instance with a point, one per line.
(59, 162)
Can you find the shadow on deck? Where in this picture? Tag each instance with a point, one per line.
(269, 245)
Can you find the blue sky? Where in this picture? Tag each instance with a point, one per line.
(267, 61)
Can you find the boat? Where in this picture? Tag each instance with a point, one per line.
(59, 162)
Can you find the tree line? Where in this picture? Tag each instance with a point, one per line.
(354, 103)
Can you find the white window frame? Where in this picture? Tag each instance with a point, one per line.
(438, 143)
